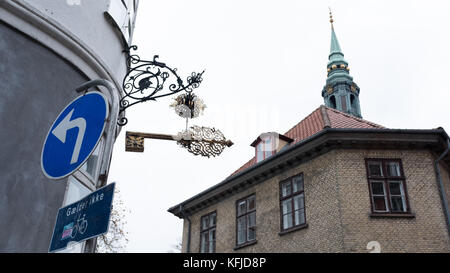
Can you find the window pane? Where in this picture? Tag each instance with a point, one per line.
(212, 235)
(90, 166)
(203, 243)
(394, 188)
(76, 191)
(260, 151)
(259, 155)
(268, 148)
(261, 146)
(268, 144)
(212, 220)
(212, 240)
(379, 203)
(298, 202)
(286, 188)
(299, 217)
(251, 203)
(204, 223)
(251, 223)
(398, 204)
(393, 169)
(241, 230)
(375, 169)
(297, 183)
(251, 233)
(287, 221)
(287, 206)
(242, 207)
(377, 187)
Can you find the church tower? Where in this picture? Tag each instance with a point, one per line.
(340, 92)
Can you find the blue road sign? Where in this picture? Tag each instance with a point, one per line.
(84, 219)
(74, 135)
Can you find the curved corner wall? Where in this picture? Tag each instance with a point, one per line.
(47, 49)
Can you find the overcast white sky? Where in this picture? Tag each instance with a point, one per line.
(265, 67)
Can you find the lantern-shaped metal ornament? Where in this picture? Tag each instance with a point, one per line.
(188, 105)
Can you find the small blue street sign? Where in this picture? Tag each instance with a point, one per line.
(74, 135)
(84, 219)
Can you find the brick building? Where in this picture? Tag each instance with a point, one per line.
(333, 183)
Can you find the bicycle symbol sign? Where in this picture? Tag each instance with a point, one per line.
(71, 230)
(84, 219)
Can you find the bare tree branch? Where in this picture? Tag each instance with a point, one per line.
(115, 240)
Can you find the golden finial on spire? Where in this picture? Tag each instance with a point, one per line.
(331, 17)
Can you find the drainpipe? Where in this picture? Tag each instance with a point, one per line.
(441, 186)
(188, 247)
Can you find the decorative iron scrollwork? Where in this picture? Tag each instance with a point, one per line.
(145, 81)
(203, 141)
(198, 140)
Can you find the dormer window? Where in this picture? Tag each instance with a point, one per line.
(264, 149)
(268, 144)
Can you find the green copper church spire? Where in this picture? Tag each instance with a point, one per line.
(340, 92)
(335, 49)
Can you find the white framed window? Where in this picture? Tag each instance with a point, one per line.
(387, 186)
(379, 199)
(208, 233)
(292, 203)
(397, 196)
(246, 220)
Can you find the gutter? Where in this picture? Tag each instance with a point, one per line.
(188, 248)
(441, 186)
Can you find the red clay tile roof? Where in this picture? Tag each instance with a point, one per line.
(315, 122)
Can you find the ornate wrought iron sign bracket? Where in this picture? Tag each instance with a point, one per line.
(145, 81)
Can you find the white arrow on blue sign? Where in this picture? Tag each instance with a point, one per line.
(74, 135)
